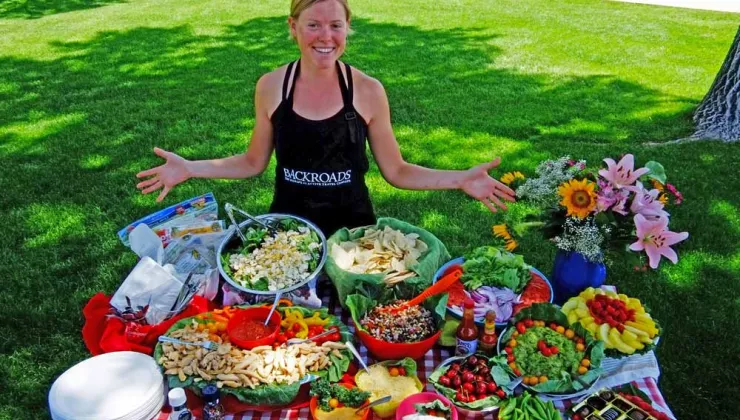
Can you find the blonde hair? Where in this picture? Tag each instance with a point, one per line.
(298, 6)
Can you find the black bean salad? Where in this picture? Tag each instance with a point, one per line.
(407, 326)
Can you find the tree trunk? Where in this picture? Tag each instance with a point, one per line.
(718, 114)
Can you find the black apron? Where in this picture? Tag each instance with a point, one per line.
(321, 165)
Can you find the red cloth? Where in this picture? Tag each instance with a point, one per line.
(103, 334)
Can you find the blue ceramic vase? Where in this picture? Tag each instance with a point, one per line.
(572, 273)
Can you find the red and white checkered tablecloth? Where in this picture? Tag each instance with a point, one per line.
(425, 368)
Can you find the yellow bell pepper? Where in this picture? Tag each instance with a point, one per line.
(316, 319)
(303, 333)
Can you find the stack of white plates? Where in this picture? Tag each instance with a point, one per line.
(113, 386)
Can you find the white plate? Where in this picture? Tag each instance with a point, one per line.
(110, 386)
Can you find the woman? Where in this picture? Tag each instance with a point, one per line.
(316, 114)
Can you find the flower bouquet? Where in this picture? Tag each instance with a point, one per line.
(594, 211)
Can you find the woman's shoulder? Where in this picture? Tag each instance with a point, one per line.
(365, 84)
(273, 80)
(369, 98)
(270, 87)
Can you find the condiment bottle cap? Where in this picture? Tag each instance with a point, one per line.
(177, 397)
(469, 303)
(210, 393)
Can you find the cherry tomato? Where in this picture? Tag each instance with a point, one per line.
(500, 393)
(333, 403)
(401, 371)
(290, 333)
(296, 327)
(393, 371)
(528, 323)
(521, 327)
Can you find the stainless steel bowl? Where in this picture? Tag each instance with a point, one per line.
(231, 240)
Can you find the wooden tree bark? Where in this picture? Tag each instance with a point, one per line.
(718, 114)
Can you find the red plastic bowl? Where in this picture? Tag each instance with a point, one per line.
(258, 313)
(407, 405)
(384, 350)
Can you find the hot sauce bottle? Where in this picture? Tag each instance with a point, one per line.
(467, 331)
(488, 337)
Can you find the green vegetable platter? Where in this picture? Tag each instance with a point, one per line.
(265, 376)
(496, 280)
(550, 355)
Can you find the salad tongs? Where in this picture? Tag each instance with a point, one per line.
(230, 209)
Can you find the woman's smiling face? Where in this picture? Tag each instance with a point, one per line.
(321, 32)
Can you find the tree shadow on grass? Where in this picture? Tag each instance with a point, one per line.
(75, 130)
(34, 9)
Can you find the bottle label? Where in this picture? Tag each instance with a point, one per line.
(486, 348)
(465, 347)
(185, 415)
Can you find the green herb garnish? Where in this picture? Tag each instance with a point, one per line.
(324, 391)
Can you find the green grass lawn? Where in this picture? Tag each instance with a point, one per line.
(87, 88)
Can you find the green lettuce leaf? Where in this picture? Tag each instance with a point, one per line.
(491, 266)
(436, 405)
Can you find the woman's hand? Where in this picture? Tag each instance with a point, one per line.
(478, 184)
(173, 172)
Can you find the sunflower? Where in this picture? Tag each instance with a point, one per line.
(502, 231)
(509, 177)
(578, 197)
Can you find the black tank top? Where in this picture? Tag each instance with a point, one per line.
(321, 165)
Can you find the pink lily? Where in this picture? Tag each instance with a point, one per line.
(646, 202)
(609, 198)
(655, 239)
(622, 174)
